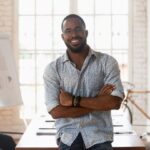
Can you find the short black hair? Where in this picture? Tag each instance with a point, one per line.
(73, 16)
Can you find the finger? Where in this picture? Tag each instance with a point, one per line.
(107, 88)
(110, 86)
(110, 90)
(104, 87)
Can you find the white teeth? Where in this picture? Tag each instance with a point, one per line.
(75, 41)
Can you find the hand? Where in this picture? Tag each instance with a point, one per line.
(65, 98)
(107, 89)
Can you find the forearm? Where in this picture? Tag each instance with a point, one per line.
(102, 102)
(66, 112)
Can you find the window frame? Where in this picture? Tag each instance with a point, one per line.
(73, 9)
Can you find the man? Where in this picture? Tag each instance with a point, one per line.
(81, 88)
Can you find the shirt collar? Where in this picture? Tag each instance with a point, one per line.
(90, 54)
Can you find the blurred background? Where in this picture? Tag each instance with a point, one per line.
(120, 28)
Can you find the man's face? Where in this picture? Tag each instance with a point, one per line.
(74, 35)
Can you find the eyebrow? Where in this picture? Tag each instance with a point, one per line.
(78, 27)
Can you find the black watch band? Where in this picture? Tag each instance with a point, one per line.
(76, 101)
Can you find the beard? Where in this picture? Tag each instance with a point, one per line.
(77, 49)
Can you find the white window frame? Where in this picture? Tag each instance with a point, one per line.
(73, 9)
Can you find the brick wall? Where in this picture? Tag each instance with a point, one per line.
(6, 16)
(139, 60)
(10, 122)
(139, 44)
(148, 50)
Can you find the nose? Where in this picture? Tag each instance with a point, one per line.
(73, 33)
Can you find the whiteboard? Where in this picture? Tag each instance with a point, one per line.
(10, 94)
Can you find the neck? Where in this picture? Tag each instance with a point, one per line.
(78, 58)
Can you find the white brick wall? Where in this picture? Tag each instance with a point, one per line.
(148, 51)
(139, 44)
(6, 16)
(139, 59)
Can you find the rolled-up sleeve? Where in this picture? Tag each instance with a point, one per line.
(51, 86)
(112, 76)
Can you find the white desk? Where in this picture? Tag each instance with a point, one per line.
(40, 135)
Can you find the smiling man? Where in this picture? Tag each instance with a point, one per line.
(81, 89)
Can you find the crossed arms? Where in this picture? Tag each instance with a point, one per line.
(102, 102)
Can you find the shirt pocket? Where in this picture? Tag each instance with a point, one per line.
(94, 83)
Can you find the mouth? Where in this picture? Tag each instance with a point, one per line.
(75, 42)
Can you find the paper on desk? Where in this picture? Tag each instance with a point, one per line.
(47, 125)
(44, 124)
(46, 131)
(123, 130)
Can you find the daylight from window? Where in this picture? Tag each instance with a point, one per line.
(40, 40)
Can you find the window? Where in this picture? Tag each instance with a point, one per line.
(40, 38)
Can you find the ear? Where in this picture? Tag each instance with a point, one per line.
(86, 32)
(62, 36)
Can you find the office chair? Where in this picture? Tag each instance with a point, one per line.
(7, 142)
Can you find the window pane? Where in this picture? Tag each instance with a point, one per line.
(26, 7)
(40, 39)
(120, 32)
(27, 68)
(58, 42)
(122, 58)
(61, 6)
(120, 6)
(27, 32)
(103, 6)
(28, 95)
(85, 6)
(102, 32)
(44, 6)
(41, 62)
(44, 32)
(109, 52)
(41, 107)
(89, 21)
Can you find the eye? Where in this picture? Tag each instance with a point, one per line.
(78, 30)
(67, 31)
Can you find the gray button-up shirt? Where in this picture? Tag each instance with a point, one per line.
(98, 69)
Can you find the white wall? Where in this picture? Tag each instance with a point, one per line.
(139, 56)
(139, 43)
(148, 52)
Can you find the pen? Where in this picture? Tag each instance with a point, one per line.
(49, 121)
(47, 133)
